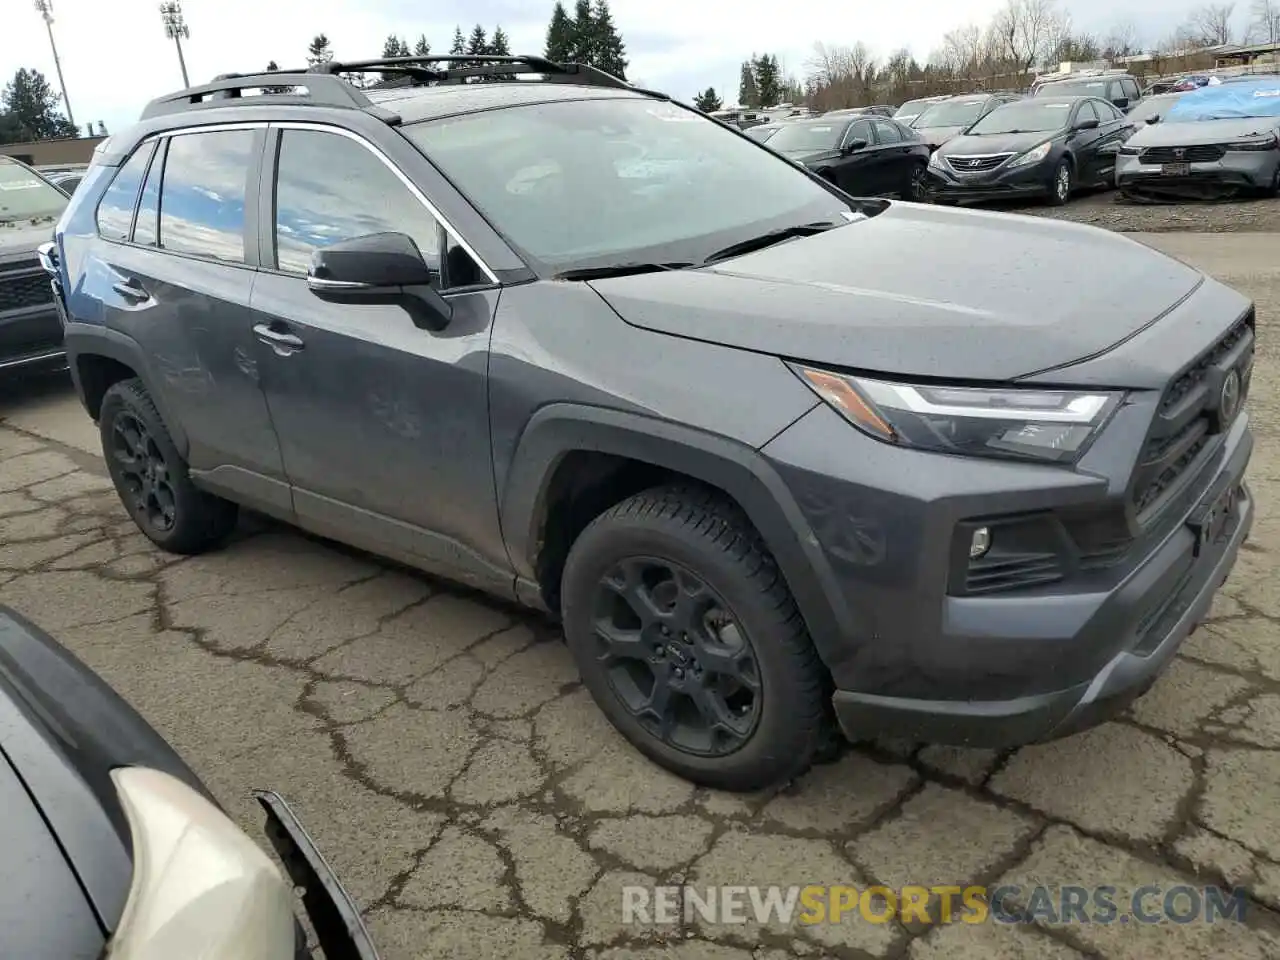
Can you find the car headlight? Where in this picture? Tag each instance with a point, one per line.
(1268, 142)
(935, 160)
(1128, 151)
(1034, 155)
(1045, 425)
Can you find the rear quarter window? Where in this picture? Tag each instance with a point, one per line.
(115, 210)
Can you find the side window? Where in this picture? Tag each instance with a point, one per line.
(330, 188)
(115, 209)
(1107, 112)
(861, 130)
(887, 132)
(202, 197)
(1086, 112)
(1130, 88)
(146, 228)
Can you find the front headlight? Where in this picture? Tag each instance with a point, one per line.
(1128, 151)
(935, 160)
(200, 886)
(1268, 142)
(1034, 155)
(1045, 425)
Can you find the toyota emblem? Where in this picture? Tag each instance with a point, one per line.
(1229, 399)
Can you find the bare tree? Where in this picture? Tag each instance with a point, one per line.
(964, 49)
(1265, 23)
(1028, 30)
(840, 76)
(1210, 25)
(1122, 41)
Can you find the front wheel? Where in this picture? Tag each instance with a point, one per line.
(918, 185)
(1062, 184)
(687, 637)
(151, 477)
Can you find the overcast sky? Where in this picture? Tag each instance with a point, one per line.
(115, 55)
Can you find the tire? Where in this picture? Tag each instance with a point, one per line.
(151, 477)
(1273, 189)
(1061, 184)
(703, 538)
(918, 186)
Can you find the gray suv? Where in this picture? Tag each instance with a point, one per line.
(771, 455)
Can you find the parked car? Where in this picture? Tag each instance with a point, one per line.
(913, 108)
(30, 331)
(68, 183)
(867, 156)
(113, 847)
(777, 457)
(1151, 109)
(1121, 89)
(1043, 147)
(763, 132)
(1215, 141)
(951, 117)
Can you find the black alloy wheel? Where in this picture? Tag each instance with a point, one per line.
(148, 489)
(676, 657)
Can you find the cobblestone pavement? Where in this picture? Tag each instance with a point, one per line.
(443, 753)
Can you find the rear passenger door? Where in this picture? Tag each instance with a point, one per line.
(861, 172)
(897, 163)
(383, 426)
(175, 273)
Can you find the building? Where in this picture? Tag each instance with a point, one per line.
(48, 153)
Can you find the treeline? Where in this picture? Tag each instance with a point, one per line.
(29, 110)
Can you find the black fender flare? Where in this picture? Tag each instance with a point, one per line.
(738, 469)
(91, 339)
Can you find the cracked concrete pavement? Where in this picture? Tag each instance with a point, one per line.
(444, 755)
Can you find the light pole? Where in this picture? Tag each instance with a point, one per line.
(175, 28)
(45, 8)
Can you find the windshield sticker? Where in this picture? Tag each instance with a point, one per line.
(21, 185)
(1267, 93)
(822, 129)
(674, 116)
(1057, 106)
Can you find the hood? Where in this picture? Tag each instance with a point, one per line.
(1186, 134)
(937, 136)
(23, 236)
(922, 291)
(995, 143)
(810, 156)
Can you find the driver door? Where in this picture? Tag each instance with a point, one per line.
(861, 172)
(383, 426)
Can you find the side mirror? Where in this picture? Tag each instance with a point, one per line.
(1122, 103)
(379, 268)
(1089, 123)
(853, 146)
(1154, 118)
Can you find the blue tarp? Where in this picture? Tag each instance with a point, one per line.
(1247, 98)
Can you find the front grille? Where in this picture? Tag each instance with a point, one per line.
(998, 572)
(1189, 417)
(966, 164)
(26, 289)
(1203, 153)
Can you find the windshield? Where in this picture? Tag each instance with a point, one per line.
(809, 136)
(761, 133)
(912, 108)
(951, 113)
(1025, 117)
(1073, 88)
(1151, 107)
(602, 181)
(25, 196)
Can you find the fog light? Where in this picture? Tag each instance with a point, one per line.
(980, 543)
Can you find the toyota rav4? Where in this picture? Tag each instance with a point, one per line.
(578, 345)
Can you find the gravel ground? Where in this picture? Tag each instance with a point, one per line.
(1106, 209)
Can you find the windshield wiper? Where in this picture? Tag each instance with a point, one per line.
(769, 238)
(617, 270)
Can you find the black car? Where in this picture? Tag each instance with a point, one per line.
(111, 846)
(777, 456)
(1042, 147)
(865, 156)
(950, 117)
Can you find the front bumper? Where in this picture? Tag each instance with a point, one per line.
(1241, 169)
(1032, 180)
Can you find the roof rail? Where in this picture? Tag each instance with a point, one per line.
(327, 85)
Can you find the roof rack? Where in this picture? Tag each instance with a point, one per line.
(326, 83)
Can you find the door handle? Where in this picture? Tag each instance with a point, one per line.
(281, 342)
(131, 288)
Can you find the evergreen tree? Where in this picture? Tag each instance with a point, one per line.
(708, 100)
(560, 35)
(272, 67)
(478, 45)
(319, 51)
(748, 94)
(32, 109)
(582, 45)
(395, 47)
(607, 46)
(459, 42)
(768, 77)
(499, 44)
(422, 48)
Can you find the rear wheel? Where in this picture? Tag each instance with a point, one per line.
(151, 477)
(1061, 184)
(918, 186)
(688, 639)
